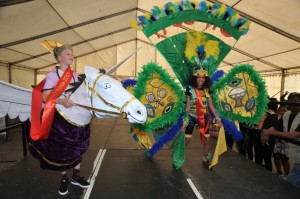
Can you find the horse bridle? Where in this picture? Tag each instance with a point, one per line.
(93, 91)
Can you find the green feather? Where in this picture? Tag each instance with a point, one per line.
(178, 150)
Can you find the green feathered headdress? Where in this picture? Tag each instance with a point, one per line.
(178, 50)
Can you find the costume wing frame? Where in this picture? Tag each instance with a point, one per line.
(15, 101)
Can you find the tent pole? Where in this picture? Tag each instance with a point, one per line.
(9, 73)
(283, 72)
(35, 77)
(75, 64)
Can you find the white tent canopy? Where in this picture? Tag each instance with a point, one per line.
(101, 36)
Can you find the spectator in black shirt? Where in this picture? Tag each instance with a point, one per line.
(263, 151)
(280, 150)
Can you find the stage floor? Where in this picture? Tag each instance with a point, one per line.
(117, 168)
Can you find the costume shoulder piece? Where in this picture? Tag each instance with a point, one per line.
(160, 94)
(241, 95)
(163, 99)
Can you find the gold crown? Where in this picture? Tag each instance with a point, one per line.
(200, 72)
(55, 47)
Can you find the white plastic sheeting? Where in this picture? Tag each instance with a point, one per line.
(291, 83)
(273, 84)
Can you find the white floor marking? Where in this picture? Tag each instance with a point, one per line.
(194, 188)
(96, 161)
(96, 167)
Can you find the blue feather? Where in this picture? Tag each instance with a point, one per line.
(135, 137)
(231, 129)
(228, 13)
(202, 6)
(181, 5)
(155, 12)
(143, 20)
(217, 75)
(168, 136)
(245, 31)
(129, 82)
(215, 8)
(176, 8)
(239, 22)
(201, 52)
(168, 8)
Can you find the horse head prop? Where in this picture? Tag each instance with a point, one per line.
(108, 94)
(101, 96)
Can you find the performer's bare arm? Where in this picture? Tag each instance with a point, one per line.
(261, 122)
(188, 105)
(273, 131)
(65, 102)
(187, 109)
(213, 110)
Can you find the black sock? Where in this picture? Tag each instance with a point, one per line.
(64, 176)
(76, 173)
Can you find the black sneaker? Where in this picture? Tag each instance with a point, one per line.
(63, 189)
(206, 162)
(80, 181)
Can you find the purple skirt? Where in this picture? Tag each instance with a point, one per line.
(64, 147)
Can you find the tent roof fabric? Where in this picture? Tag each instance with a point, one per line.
(271, 45)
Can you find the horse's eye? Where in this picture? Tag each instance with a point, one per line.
(107, 85)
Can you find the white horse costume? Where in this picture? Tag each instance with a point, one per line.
(102, 96)
(95, 95)
(99, 95)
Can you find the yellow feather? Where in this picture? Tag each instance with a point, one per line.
(148, 16)
(196, 2)
(245, 26)
(193, 40)
(222, 10)
(208, 4)
(134, 24)
(235, 17)
(212, 49)
(173, 9)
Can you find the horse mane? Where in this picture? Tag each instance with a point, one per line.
(81, 78)
(76, 85)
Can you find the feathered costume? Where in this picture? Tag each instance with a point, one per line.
(186, 35)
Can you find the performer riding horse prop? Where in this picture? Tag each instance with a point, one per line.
(98, 95)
